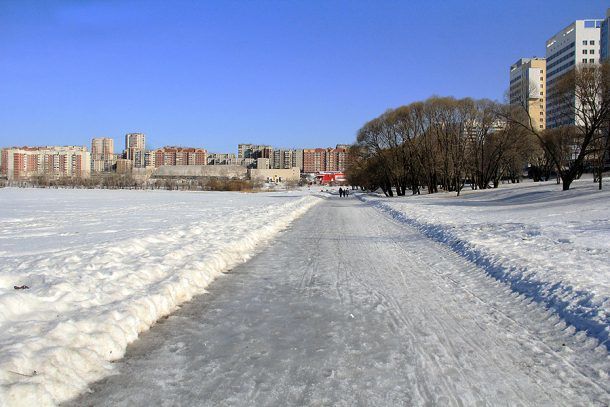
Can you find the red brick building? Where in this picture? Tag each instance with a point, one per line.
(178, 156)
(324, 159)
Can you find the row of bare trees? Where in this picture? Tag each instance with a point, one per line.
(445, 143)
(126, 181)
(440, 143)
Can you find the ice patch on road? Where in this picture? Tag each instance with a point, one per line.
(116, 263)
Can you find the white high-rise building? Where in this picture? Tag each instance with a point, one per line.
(605, 38)
(577, 44)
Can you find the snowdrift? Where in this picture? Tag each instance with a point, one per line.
(103, 266)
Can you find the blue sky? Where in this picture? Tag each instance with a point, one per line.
(286, 73)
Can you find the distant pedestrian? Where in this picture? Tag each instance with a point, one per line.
(340, 192)
(346, 192)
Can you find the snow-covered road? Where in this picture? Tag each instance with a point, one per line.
(349, 307)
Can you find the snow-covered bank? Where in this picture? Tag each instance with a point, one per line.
(550, 245)
(103, 266)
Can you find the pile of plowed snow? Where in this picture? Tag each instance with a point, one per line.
(83, 272)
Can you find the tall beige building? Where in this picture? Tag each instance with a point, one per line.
(528, 88)
(102, 154)
(135, 144)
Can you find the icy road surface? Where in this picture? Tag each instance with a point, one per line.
(348, 307)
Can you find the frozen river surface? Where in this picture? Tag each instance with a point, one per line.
(349, 307)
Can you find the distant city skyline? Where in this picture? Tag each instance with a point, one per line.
(214, 75)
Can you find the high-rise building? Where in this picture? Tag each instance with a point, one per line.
(324, 159)
(244, 151)
(135, 140)
(577, 44)
(283, 158)
(103, 158)
(314, 160)
(179, 156)
(254, 151)
(605, 38)
(51, 161)
(527, 78)
(221, 159)
(297, 159)
(336, 158)
(135, 149)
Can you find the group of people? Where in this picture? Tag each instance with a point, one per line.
(343, 192)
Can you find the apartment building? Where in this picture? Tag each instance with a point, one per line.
(297, 159)
(605, 38)
(336, 159)
(314, 160)
(135, 149)
(254, 151)
(221, 159)
(263, 164)
(244, 151)
(527, 88)
(52, 161)
(577, 44)
(171, 155)
(103, 158)
(325, 159)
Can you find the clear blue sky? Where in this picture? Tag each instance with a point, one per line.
(286, 73)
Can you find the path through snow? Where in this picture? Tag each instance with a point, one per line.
(350, 307)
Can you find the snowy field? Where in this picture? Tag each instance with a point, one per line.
(547, 244)
(103, 266)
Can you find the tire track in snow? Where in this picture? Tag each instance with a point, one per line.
(351, 308)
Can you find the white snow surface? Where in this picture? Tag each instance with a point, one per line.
(352, 308)
(547, 244)
(103, 266)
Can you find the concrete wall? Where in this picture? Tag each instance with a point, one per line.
(142, 174)
(290, 174)
(192, 171)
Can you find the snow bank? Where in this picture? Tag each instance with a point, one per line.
(103, 266)
(550, 245)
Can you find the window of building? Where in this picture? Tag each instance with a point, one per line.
(591, 51)
(584, 51)
(541, 71)
(584, 42)
(541, 93)
(592, 61)
(541, 79)
(584, 60)
(592, 42)
(541, 85)
(541, 120)
(541, 126)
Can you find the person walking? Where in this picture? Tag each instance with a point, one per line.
(340, 192)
